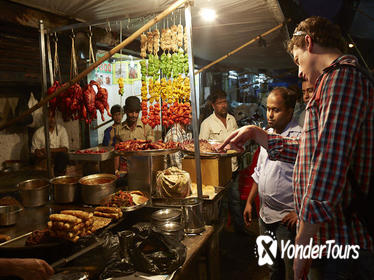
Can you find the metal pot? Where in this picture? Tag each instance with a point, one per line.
(192, 211)
(8, 214)
(34, 192)
(64, 188)
(14, 165)
(165, 215)
(94, 188)
(170, 229)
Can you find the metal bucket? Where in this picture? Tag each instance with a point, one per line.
(192, 213)
(34, 192)
(64, 189)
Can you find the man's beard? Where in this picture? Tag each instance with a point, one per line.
(222, 114)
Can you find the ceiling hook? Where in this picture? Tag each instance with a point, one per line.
(108, 28)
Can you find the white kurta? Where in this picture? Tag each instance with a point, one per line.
(212, 128)
(58, 138)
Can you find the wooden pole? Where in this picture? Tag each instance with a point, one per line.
(241, 47)
(109, 54)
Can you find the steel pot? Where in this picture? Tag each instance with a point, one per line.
(192, 213)
(8, 214)
(94, 188)
(14, 165)
(166, 215)
(170, 229)
(64, 189)
(34, 192)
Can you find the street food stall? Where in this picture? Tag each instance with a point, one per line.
(65, 219)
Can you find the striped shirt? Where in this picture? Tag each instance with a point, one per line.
(338, 134)
(176, 134)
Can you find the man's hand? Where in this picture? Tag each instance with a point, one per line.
(29, 269)
(239, 137)
(290, 219)
(306, 232)
(247, 214)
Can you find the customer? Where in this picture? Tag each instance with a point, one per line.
(217, 127)
(59, 145)
(177, 133)
(335, 150)
(114, 130)
(27, 269)
(307, 89)
(273, 182)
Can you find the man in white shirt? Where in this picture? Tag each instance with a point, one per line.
(217, 127)
(273, 182)
(59, 145)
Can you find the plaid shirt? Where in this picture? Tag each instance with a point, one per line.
(338, 134)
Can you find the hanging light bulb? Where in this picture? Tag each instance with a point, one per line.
(208, 14)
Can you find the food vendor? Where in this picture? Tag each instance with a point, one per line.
(132, 127)
(59, 144)
(217, 127)
(114, 130)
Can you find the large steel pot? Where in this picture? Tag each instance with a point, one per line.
(34, 192)
(64, 189)
(94, 188)
(170, 229)
(8, 214)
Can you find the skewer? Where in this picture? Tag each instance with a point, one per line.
(241, 47)
(109, 54)
(16, 238)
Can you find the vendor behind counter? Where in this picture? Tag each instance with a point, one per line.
(59, 145)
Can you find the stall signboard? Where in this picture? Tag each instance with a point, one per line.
(134, 71)
(102, 74)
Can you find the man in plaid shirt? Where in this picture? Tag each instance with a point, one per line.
(338, 135)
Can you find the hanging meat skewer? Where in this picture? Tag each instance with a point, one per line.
(174, 38)
(180, 35)
(143, 45)
(163, 39)
(150, 42)
(156, 41)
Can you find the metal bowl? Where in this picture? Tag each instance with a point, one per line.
(170, 229)
(166, 215)
(94, 188)
(8, 214)
(34, 192)
(64, 188)
(14, 165)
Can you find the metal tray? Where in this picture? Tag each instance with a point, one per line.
(129, 208)
(146, 153)
(212, 155)
(93, 157)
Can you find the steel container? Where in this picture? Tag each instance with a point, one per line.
(192, 214)
(170, 229)
(8, 214)
(94, 188)
(14, 165)
(165, 215)
(34, 192)
(64, 189)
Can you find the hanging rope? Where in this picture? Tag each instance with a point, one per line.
(56, 62)
(73, 58)
(91, 56)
